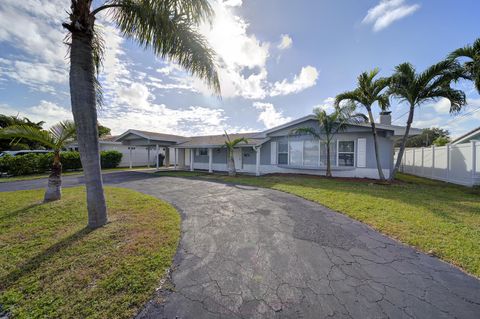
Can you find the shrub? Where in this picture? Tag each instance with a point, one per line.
(110, 159)
(41, 163)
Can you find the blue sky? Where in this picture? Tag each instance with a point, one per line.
(278, 60)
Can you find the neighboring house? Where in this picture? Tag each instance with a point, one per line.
(276, 150)
(473, 135)
(132, 155)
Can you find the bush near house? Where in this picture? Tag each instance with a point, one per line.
(41, 163)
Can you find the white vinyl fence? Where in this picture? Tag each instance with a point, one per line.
(459, 164)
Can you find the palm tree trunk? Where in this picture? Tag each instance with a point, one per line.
(404, 143)
(83, 98)
(54, 187)
(328, 173)
(231, 164)
(375, 142)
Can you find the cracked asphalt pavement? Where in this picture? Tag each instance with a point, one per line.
(249, 252)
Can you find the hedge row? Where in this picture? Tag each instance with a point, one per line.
(41, 163)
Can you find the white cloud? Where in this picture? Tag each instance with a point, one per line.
(285, 42)
(307, 78)
(34, 28)
(327, 105)
(269, 116)
(237, 52)
(46, 111)
(388, 11)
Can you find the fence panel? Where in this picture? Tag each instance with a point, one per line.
(451, 163)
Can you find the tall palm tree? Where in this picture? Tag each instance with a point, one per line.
(472, 66)
(417, 88)
(369, 90)
(166, 26)
(330, 125)
(230, 145)
(56, 139)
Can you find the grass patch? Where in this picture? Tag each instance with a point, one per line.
(39, 176)
(433, 216)
(51, 266)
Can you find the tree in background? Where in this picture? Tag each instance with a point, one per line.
(230, 145)
(472, 65)
(427, 137)
(103, 130)
(55, 139)
(166, 26)
(441, 141)
(14, 144)
(368, 92)
(414, 89)
(330, 125)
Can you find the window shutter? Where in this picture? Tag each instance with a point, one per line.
(362, 152)
(273, 153)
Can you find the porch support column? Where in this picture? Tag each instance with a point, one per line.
(130, 156)
(175, 150)
(157, 151)
(210, 160)
(167, 157)
(192, 150)
(257, 162)
(148, 156)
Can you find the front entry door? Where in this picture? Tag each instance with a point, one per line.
(237, 157)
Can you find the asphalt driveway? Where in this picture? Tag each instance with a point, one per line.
(249, 252)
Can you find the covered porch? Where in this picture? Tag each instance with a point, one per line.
(215, 158)
(152, 149)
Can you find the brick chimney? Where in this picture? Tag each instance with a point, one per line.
(386, 118)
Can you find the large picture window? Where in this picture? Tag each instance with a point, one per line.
(311, 153)
(296, 153)
(346, 153)
(282, 153)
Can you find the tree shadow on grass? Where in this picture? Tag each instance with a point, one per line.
(18, 212)
(35, 262)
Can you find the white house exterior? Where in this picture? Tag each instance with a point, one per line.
(276, 150)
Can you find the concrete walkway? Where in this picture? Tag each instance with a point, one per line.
(248, 252)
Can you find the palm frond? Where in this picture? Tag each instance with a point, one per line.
(306, 131)
(29, 133)
(457, 98)
(168, 28)
(63, 132)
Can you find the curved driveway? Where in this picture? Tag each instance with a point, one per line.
(249, 252)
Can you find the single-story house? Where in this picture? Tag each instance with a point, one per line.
(277, 150)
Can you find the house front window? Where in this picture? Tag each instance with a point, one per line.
(202, 152)
(282, 153)
(311, 153)
(296, 153)
(346, 153)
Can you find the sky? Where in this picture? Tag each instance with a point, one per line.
(277, 61)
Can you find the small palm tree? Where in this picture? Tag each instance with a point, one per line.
(369, 90)
(417, 88)
(166, 26)
(330, 125)
(472, 67)
(230, 145)
(56, 139)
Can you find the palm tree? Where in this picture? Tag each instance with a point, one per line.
(166, 26)
(430, 85)
(230, 145)
(472, 67)
(330, 125)
(56, 139)
(369, 90)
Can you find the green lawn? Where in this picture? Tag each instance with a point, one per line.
(435, 217)
(51, 266)
(38, 176)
